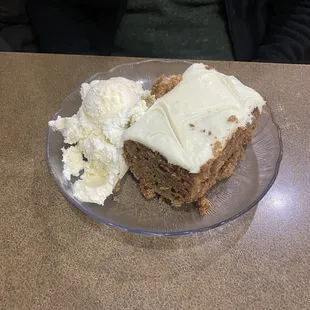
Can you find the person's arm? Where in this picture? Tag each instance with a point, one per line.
(289, 42)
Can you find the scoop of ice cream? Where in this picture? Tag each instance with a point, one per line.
(114, 127)
(108, 108)
(75, 128)
(100, 100)
(85, 87)
(101, 171)
(72, 158)
(96, 183)
(108, 97)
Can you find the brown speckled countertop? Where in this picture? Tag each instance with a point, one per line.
(53, 256)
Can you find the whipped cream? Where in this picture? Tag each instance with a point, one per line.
(203, 110)
(95, 133)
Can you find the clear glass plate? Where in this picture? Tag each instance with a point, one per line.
(129, 211)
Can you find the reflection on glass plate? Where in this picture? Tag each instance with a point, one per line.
(129, 211)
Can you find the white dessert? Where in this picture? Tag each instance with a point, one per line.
(95, 133)
(184, 124)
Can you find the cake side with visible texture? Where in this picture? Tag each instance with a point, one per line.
(164, 84)
(157, 176)
(194, 134)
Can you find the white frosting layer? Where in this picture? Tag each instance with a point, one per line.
(184, 124)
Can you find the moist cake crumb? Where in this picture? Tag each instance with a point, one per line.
(146, 192)
(116, 199)
(117, 187)
(164, 84)
(217, 147)
(203, 205)
(233, 118)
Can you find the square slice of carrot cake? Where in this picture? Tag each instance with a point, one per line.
(193, 135)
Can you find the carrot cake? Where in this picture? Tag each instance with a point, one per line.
(193, 135)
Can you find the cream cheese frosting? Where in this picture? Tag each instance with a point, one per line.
(205, 108)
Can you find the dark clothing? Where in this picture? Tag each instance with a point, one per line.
(264, 30)
(15, 33)
(162, 20)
